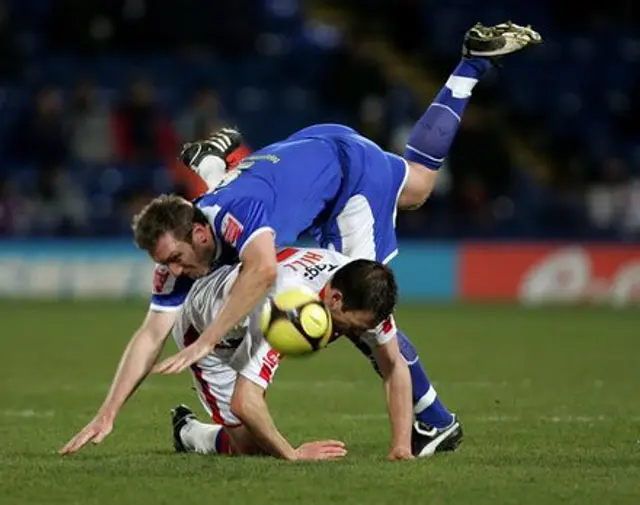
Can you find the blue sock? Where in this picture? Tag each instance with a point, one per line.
(433, 134)
(427, 406)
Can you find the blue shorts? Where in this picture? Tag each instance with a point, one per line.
(363, 218)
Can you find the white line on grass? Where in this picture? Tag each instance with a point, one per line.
(569, 419)
(28, 413)
(507, 419)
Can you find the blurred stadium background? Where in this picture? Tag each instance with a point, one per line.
(538, 202)
(96, 97)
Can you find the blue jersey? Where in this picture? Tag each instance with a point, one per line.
(326, 179)
(361, 221)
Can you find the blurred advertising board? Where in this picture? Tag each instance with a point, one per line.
(538, 273)
(440, 272)
(73, 269)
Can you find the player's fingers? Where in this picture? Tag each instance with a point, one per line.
(334, 451)
(101, 435)
(78, 442)
(162, 366)
(334, 454)
(174, 367)
(67, 449)
(181, 368)
(332, 443)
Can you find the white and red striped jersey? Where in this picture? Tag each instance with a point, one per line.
(314, 268)
(308, 267)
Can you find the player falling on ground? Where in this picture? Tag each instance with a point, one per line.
(325, 179)
(231, 381)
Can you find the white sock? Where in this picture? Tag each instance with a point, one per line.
(212, 169)
(200, 437)
(461, 87)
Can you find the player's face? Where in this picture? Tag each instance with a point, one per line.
(351, 323)
(192, 259)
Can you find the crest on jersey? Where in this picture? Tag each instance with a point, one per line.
(163, 281)
(231, 229)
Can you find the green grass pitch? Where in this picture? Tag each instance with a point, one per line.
(549, 400)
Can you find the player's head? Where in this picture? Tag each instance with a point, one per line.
(360, 295)
(175, 233)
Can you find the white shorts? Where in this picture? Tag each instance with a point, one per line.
(216, 381)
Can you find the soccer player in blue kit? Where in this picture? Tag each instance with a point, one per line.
(326, 180)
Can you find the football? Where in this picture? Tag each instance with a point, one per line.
(295, 321)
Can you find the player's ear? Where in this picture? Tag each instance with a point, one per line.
(199, 233)
(336, 299)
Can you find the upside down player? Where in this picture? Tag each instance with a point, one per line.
(324, 179)
(231, 381)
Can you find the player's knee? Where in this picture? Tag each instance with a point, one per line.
(240, 406)
(419, 185)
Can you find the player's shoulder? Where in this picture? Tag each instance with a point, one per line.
(168, 292)
(217, 203)
(163, 280)
(165, 283)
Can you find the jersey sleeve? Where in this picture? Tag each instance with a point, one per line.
(385, 331)
(168, 292)
(239, 222)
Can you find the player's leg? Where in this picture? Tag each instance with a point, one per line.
(433, 134)
(427, 405)
(436, 429)
(192, 435)
(210, 158)
(214, 386)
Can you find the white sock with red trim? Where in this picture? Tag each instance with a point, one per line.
(204, 438)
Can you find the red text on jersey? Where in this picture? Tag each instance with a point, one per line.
(308, 259)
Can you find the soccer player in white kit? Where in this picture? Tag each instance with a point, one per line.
(231, 380)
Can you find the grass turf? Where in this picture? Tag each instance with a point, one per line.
(548, 399)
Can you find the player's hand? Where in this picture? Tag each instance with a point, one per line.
(400, 454)
(96, 431)
(324, 449)
(184, 359)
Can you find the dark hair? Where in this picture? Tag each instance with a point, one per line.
(165, 214)
(367, 285)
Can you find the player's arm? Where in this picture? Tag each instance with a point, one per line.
(257, 274)
(248, 404)
(397, 386)
(138, 358)
(136, 362)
